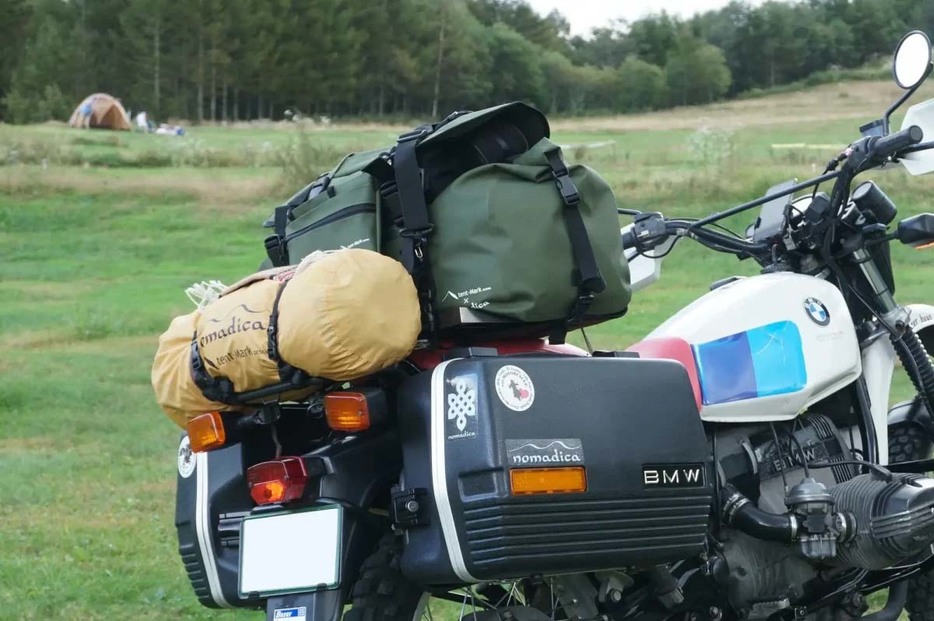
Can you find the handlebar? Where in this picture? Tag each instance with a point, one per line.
(887, 146)
(652, 230)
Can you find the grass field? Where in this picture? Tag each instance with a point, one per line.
(101, 232)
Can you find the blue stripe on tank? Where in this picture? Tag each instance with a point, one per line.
(778, 358)
(764, 361)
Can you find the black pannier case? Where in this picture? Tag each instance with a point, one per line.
(631, 424)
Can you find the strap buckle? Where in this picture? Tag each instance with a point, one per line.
(417, 234)
(581, 306)
(562, 176)
(566, 187)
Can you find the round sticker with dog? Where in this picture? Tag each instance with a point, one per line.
(186, 458)
(515, 388)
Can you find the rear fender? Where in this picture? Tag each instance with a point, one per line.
(359, 471)
(212, 498)
(912, 413)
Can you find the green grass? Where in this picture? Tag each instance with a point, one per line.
(97, 244)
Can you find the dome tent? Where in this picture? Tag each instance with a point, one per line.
(105, 112)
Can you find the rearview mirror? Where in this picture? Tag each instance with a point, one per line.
(912, 59)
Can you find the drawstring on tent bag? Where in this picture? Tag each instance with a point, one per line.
(203, 293)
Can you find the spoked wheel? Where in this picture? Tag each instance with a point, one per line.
(382, 593)
(910, 443)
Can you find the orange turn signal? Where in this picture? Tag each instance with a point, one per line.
(206, 432)
(347, 411)
(923, 246)
(548, 480)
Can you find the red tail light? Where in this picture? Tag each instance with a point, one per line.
(278, 481)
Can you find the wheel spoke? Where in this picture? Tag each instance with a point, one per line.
(470, 602)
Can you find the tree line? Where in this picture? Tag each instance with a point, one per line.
(247, 59)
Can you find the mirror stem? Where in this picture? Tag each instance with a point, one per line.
(895, 106)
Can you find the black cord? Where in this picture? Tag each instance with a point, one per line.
(628, 212)
(831, 166)
(664, 254)
(716, 477)
(715, 225)
(883, 472)
(781, 456)
(804, 460)
(726, 230)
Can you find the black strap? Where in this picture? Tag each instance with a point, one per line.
(276, 248)
(272, 338)
(218, 389)
(275, 244)
(416, 224)
(587, 276)
(272, 330)
(287, 373)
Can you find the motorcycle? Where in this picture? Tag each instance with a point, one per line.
(741, 462)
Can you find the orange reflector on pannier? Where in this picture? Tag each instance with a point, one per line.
(548, 480)
(206, 432)
(347, 411)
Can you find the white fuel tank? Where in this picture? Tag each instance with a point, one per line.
(767, 347)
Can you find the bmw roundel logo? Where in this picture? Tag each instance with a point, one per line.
(817, 311)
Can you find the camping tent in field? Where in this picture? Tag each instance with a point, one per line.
(102, 111)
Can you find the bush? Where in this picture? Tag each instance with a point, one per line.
(36, 108)
(711, 146)
(304, 159)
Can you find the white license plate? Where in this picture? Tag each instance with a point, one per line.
(291, 552)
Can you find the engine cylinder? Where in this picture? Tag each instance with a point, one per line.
(894, 519)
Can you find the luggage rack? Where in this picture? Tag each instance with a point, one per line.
(256, 397)
(468, 324)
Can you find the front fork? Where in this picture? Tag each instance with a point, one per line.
(879, 359)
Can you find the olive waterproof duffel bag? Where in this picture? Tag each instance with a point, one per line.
(485, 215)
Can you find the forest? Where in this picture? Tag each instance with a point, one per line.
(224, 60)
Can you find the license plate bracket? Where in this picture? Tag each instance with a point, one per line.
(291, 552)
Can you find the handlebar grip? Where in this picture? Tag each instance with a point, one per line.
(893, 143)
(629, 239)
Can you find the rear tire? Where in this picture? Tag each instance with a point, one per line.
(381, 592)
(909, 443)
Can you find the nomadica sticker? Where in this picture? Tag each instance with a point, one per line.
(462, 407)
(514, 388)
(558, 452)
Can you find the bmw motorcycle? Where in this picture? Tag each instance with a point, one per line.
(741, 462)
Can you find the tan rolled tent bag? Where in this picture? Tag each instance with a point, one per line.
(337, 316)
